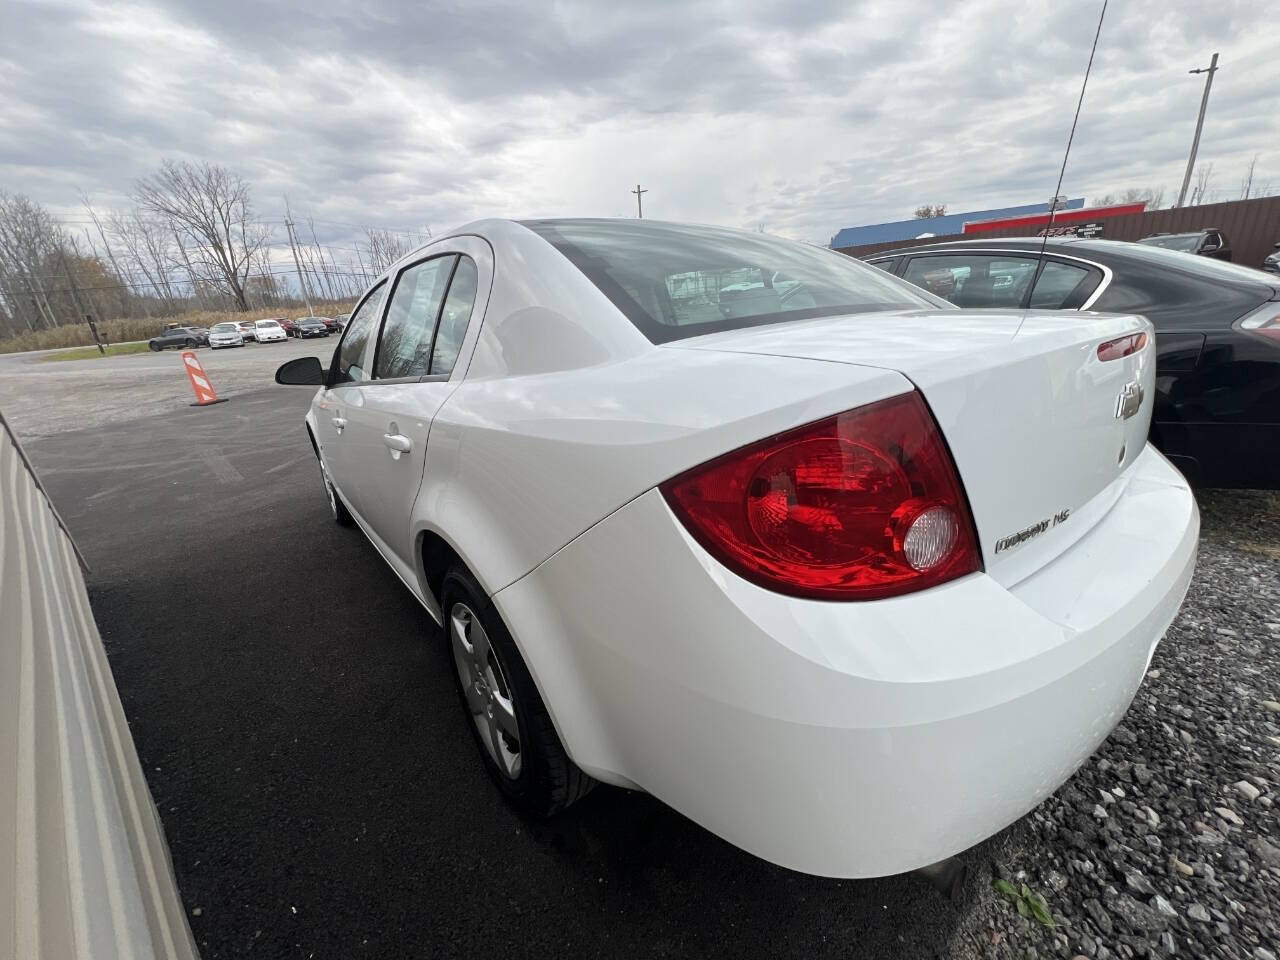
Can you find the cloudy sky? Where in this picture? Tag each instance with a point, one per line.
(798, 117)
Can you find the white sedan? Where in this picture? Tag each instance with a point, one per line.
(850, 577)
(264, 331)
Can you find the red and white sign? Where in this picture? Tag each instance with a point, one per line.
(205, 394)
(1035, 221)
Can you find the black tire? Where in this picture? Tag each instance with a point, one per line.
(337, 509)
(189, 343)
(154, 346)
(548, 781)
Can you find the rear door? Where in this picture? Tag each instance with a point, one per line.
(415, 366)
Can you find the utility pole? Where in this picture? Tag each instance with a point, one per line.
(639, 208)
(1195, 143)
(75, 295)
(288, 222)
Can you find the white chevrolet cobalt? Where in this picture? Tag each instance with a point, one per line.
(848, 576)
(265, 331)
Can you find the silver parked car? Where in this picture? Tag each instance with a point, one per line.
(225, 335)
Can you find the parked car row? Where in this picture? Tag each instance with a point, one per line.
(1217, 326)
(236, 333)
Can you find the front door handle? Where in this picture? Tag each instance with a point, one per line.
(397, 443)
(339, 423)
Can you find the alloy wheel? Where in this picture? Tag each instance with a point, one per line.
(487, 692)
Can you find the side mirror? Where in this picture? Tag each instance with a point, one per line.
(303, 372)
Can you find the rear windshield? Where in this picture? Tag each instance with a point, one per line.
(1186, 242)
(675, 281)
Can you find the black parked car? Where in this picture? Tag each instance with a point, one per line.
(311, 327)
(1271, 262)
(1217, 406)
(188, 337)
(1209, 242)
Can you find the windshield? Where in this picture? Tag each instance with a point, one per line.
(267, 323)
(224, 328)
(1185, 242)
(676, 281)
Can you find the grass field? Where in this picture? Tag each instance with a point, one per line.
(91, 353)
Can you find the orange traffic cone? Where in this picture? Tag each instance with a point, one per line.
(205, 394)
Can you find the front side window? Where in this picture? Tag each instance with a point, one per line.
(676, 281)
(350, 352)
(974, 280)
(404, 347)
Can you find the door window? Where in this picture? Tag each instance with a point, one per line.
(1058, 281)
(454, 318)
(973, 280)
(404, 347)
(350, 352)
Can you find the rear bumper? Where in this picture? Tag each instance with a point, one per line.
(849, 739)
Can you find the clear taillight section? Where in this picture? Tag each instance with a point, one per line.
(860, 506)
(1264, 323)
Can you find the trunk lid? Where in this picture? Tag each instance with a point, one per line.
(1032, 416)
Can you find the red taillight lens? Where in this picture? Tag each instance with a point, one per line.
(1122, 346)
(861, 506)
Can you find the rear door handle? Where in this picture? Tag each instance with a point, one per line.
(339, 423)
(397, 443)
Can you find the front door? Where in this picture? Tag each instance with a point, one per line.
(413, 363)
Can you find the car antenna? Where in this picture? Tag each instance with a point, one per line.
(1053, 204)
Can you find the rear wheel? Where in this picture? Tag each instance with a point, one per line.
(189, 343)
(518, 743)
(337, 509)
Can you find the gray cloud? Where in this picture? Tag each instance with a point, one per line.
(800, 118)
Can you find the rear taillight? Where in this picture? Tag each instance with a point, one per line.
(860, 506)
(1122, 346)
(1264, 323)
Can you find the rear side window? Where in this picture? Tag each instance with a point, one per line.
(677, 281)
(404, 347)
(454, 318)
(350, 351)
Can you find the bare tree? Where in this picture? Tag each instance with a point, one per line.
(928, 211)
(1204, 176)
(383, 248)
(209, 206)
(1153, 197)
(1246, 182)
(29, 243)
(147, 247)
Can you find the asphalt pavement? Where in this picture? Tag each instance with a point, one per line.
(294, 710)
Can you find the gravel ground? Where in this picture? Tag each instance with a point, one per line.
(1165, 842)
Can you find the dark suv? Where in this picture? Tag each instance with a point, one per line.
(1209, 242)
(180, 337)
